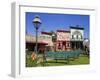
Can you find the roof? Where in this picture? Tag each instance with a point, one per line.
(48, 33)
(77, 28)
(43, 43)
(32, 39)
(63, 31)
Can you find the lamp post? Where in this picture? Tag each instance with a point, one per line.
(36, 22)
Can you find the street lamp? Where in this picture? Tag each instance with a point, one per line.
(36, 22)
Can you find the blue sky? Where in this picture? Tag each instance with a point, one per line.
(53, 22)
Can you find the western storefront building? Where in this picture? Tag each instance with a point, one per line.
(31, 43)
(77, 37)
(47, 38)
(65, 40)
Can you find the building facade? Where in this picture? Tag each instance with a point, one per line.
(31, 43)
(65, 40)
(77, 37)
(47, 38)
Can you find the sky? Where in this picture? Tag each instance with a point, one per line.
(53, 22)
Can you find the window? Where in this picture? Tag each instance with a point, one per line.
(72, 36)
(76, 36)
(68, 45)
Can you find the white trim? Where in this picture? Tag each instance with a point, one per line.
(18, 37)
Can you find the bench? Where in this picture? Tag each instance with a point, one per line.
(65, 55)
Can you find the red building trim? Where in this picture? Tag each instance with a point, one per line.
(41, 43)
(48, 33)
(63, 31)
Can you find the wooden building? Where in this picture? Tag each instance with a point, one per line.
(77, 37)
(63, 40)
